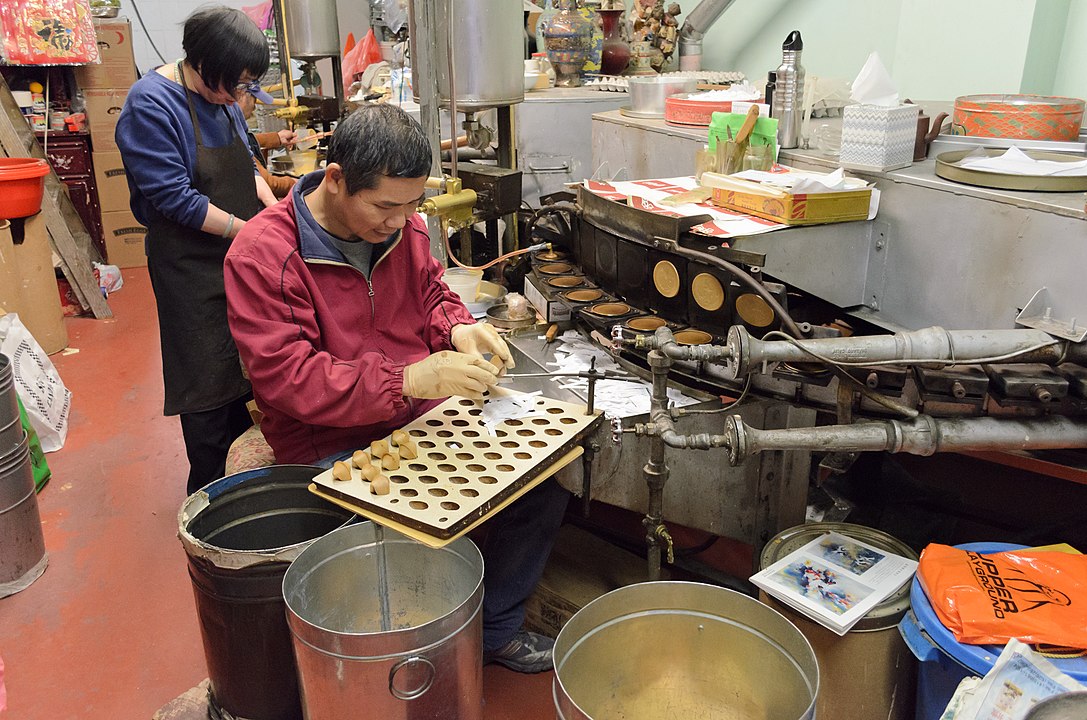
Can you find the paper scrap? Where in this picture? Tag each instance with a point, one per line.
(507, 407)
(1016, 162)
(873, 85)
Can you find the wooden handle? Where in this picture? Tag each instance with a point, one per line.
(552, 331)
(749, 124)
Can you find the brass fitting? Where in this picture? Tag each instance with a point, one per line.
(292, 113)
(455, 204)
(665, 537)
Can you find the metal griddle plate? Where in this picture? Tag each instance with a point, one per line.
(463, 473)
(947, 167)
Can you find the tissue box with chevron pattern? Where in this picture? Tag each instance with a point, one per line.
(878, 138)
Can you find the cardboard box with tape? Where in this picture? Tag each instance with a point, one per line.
(112, 182)
(117, 63)
(103, 110)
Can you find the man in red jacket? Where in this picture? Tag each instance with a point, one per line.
(348, 333)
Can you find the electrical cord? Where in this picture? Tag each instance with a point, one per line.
(682, 412)
(147, 34)
(929, 361)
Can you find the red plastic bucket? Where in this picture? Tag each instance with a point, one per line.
(21, 184)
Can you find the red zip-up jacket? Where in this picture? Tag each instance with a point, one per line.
(325, 348)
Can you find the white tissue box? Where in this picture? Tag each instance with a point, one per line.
(875, 137)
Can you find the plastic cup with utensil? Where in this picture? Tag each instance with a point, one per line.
(464, 282)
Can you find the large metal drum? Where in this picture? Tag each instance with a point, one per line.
(11, 427)
(385, 627)
(682, 650)
(22, 545)
(488, 50)
(240, 534)
(313, 31)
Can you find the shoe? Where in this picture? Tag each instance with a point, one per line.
(527, 652)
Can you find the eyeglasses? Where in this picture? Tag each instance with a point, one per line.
(249, 87)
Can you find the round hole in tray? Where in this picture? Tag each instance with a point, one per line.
(509, 444)
(398, 479)
(481, 444)
(487, 479)
(469, 492)
(468, 403)
(470, 433)
(436, 456)
(458, 480)
(526, 432)
(444, 433)
(540, 421)
(418, 504)
(408, 492)
(460, 423)
(417, 467)
(450, 505)
(475, 411)
(553, 431)
(450, 412)
(395, 500)
(555, 411)
(504, 468)
(428, 479)
(522, 456)
(494, 455)
(537, 443)
(514, 423)
(442, 519)
(416, 433)
(476, 468)
(567, 420)
(434, 423)
(438, 492)
(501, 433)
(426, 444)
(447, 468)
(465, 456)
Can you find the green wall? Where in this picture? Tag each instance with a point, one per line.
(934, 50)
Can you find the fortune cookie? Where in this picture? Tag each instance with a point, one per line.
(408, 450)
(391, 461)
(379, 448)
(380, 485)
(360, 459)
(341, 470)
(370, 472)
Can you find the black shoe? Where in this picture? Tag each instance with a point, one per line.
(527, 652)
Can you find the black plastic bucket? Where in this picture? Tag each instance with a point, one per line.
(240, 534)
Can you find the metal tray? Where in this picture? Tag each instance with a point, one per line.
(947, 168)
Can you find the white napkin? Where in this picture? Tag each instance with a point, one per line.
(874, 85)
(744, 91)
(1016, 162)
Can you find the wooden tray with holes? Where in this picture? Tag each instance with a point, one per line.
(463, 473)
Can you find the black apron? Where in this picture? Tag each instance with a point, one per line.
(200, 366)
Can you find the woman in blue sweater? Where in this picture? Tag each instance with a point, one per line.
(194, 185)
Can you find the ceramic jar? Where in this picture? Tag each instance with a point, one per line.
(568, 36)
(616, 53)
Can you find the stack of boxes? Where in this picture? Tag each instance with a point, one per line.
(105, 87)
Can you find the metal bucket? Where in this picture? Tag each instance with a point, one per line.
(682, 650)
(385, 627)
(22, 545)
(11, 428)
(873, 646)
(240, 534)
(1067, 706)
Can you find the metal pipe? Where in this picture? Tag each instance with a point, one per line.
(700, 19)
(656, 470)
(933, 346)
(923, 435)
(452, 87)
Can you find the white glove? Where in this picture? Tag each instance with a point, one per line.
(479, 339)
(449, 373)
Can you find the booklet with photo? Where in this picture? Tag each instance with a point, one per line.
(835, 580)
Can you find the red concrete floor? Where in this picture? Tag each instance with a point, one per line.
(110, 630)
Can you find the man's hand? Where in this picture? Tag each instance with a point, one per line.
(480, 338)
(448, 373)
(287, 138)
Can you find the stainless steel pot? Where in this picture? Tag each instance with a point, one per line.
(682, 650)
(386, 627)
(647, 94)
(1069, 706)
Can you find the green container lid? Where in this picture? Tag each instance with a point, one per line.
(882, 616)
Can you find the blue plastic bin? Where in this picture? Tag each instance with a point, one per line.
(943, 661)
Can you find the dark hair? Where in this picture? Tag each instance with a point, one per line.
(221, 43)
(378, 141)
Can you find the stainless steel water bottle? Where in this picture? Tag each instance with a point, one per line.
(789, 92)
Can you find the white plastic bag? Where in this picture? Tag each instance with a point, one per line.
(37, 383)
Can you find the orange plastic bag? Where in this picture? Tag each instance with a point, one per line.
(1036, 596)
(360, 57)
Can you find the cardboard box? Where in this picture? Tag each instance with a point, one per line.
(582, 567)
(877, 138)
(117, 63)
(103, 110)
(801, 209)
(38, 303)
(124, 239)
(111, 180)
